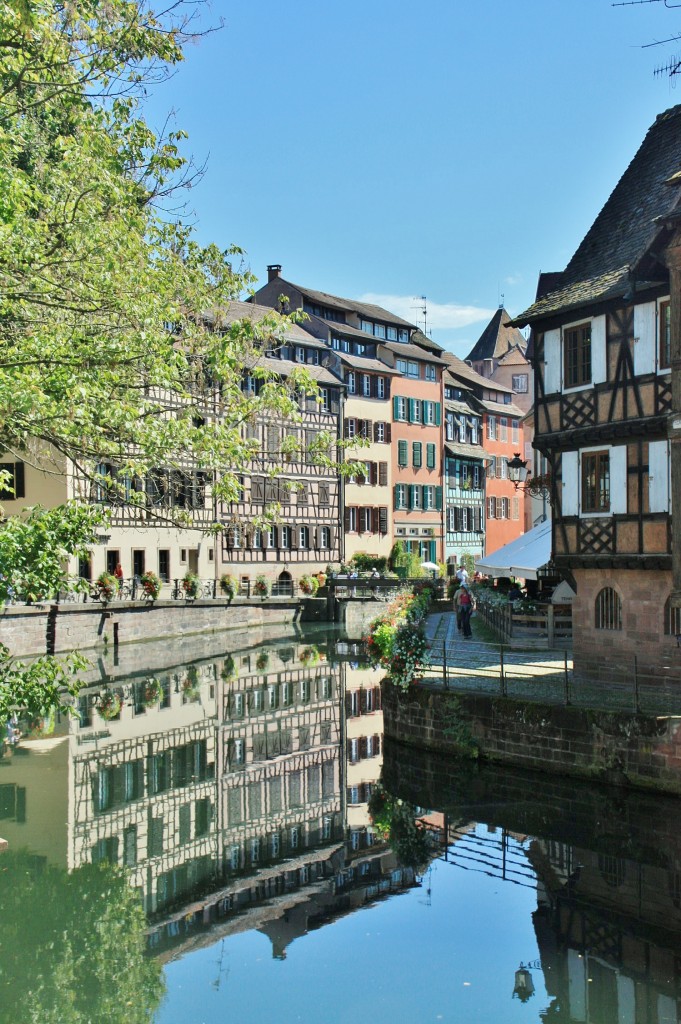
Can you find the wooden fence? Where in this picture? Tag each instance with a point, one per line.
(550, 626)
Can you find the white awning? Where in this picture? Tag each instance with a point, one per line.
(522, 557)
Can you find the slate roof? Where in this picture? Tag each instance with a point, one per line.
(497, 339)
(605, 262)
(367, 363)
(473, 451)
(461, 369)
(403, 350)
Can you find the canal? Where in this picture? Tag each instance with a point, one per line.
(223, 834)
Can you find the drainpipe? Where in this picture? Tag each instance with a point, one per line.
(673, 262)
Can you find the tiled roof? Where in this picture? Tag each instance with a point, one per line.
(472, 451)
(251, 311)
(405, 351)
(502, 409)
(461, 407)
(461, 369)
(603, 265)
(365, 363)
(363, 308)
(497, 339)
(284, 367)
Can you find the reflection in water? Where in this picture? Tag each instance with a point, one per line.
(242, 793)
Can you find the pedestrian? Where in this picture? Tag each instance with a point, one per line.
(466, 605)
(457, 606)
(118, 573)
(461, 574)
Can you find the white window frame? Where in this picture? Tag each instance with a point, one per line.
(491, 428)
(380, 387)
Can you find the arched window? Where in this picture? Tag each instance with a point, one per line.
(608, 609)
(672, 619)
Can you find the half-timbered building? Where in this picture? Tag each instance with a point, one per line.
(290, 477)
(607, 416)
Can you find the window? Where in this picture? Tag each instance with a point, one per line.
(596, 482)
(491, 508)
(416, 410)
(577, 355)
(325, 537)
(164, 565)
(284, 536)
(515, 427)
(428, 496)
(429, 413)
(430, 456)
(351, 381)
(503, 428)
(519, 383)
(408, 368)
(415, 496)
(449, 427)
(325, 400)
(300, 354)
(400, 408)
(402, 453)
(304, 537)
(404, 336)
(350, 427)
(366, 385)
(380, 387)
(462, 429)
(491, 428)
(430, 373)
(608, 609)
(391, 333)
(417, 454)
(366, 326)
(379, 432)
(400, 495)
(351, 519)
(665, 336)
(15, 487)
(474, 431)
(515, 506)
(672, 619)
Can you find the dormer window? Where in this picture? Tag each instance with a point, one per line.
(379, 331)
(366, 326)
(391, 333)
(300, 354)
(404, 335)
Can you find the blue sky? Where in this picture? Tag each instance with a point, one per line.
(389, 150)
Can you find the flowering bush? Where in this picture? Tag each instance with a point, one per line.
(229, 669)
(396, 641)
(309, 585)
(310, 655)
(262, 587)
(109, 705)
(262, 661)
(151, 585)
(191, 584)
(107, 584)
(190, 685)
(229, 585)
(152, 691)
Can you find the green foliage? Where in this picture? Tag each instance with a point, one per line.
(107, 584)
(34, 547)
(365, 563)
(309, 585)
(151, 584)
(468, 562)
(396, 641)
(191, 584)
(229, 585)
(262, 587)
(36, 688)
(85, 931)
(397, 559)
(396, 820)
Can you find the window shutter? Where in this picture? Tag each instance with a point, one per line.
(362, 701)
(387, 387)
(478, 519)
(257, 489)
(425, 500)
(375, 431)
(396, 407)
(368, 429)
(499, 508)
(402, 453)
(19, 480)
(383, 519)
(294, 534)
(430, 456)
(362, 747)
(383, 474)
(412, 410)
(412, 494)
(438, 498)
(417, 454)
(388, 432)
(346, 519)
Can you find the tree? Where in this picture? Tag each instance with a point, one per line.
(113, 350)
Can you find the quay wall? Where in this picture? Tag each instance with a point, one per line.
(59, 628)
(638, 751)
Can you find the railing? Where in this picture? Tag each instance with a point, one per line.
(133, 590)
(377, 588)
(547, 677)
(547, 627)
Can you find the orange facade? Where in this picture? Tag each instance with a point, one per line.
(504, 505)
(417, 446)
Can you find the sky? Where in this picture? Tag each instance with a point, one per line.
(387, 150)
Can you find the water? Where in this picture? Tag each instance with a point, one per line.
(251, 882)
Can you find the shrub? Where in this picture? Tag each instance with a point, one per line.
(310, 655)
(396, 641)
(262, 587)
(365, 563)
(152, 691)
(109, 705)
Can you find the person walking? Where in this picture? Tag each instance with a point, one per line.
(465, 604)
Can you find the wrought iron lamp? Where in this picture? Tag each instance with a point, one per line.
(517, 469)
(524, 986)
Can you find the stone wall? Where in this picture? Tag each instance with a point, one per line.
(634, 750)
(640, 645)
(61, 628)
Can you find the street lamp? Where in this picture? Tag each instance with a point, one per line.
(519, 475)
(524, 986)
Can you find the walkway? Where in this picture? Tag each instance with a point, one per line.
(474, 666)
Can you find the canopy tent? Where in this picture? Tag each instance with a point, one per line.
(523, 557)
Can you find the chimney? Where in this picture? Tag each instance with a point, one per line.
(273, 272)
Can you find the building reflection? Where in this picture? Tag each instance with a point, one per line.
(606, 868)
(232, 789)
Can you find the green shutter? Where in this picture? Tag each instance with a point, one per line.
(438, 498)
(437, 414)
(430, 456)
(411, 410)
(396, 407)
(402, 453)
(424, 499)
(395, 499)
(416, 454)
(412, 492)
